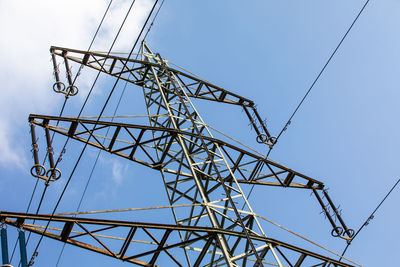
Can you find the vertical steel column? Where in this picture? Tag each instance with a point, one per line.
(202, 191)
(22, 249)
(167, 93)
(4, 246)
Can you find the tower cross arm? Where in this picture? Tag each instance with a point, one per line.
(134, 71)
(99, 235)
(129, 139)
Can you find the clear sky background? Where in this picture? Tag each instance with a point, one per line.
(346, 134)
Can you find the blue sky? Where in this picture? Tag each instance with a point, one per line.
(345, 134)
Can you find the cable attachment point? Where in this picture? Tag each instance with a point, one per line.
(39, 171)
(58, 86)
(337, 231)
(262, 138)
(259, 125)
(349, 232)
(341, 231)
(70, 90)
(53, 174)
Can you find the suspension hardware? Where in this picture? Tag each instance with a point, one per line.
(39, 170)
(338, 231)
(59, 86)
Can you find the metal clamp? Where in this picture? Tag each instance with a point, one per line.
(39, 171)
(337, 231)
(271, 140)
(340, 232)
(262, 138)
(59, 87)
(71, 90)
(350, 232)
(53, 174)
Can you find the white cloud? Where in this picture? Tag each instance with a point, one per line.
(9, 154)
(28, 30)
(118, 170)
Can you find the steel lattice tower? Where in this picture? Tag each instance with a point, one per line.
(196, 169)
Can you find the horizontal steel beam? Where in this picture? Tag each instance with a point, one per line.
(275, 174)
(204, 234)
(197, 88)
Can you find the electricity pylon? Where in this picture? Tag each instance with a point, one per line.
(214, 222)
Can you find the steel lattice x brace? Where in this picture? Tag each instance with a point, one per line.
(199, 171)
(92, 234)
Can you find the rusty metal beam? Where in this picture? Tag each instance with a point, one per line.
(166, 242)
(235, 154)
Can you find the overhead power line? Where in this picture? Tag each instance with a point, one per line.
(101, 112)
(183, 109)
(370, 217)
(89, 91)
(322, 70)
(60, 114)
(260, 167)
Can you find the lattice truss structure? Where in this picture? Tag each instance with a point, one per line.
(196, 169)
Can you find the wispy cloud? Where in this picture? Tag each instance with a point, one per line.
(10, 155)
(29, 29)
(118, 171)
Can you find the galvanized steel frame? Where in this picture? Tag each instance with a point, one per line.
(90, 234)
(196, 168)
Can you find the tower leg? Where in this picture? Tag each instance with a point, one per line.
(22, 249)
(4, 246)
